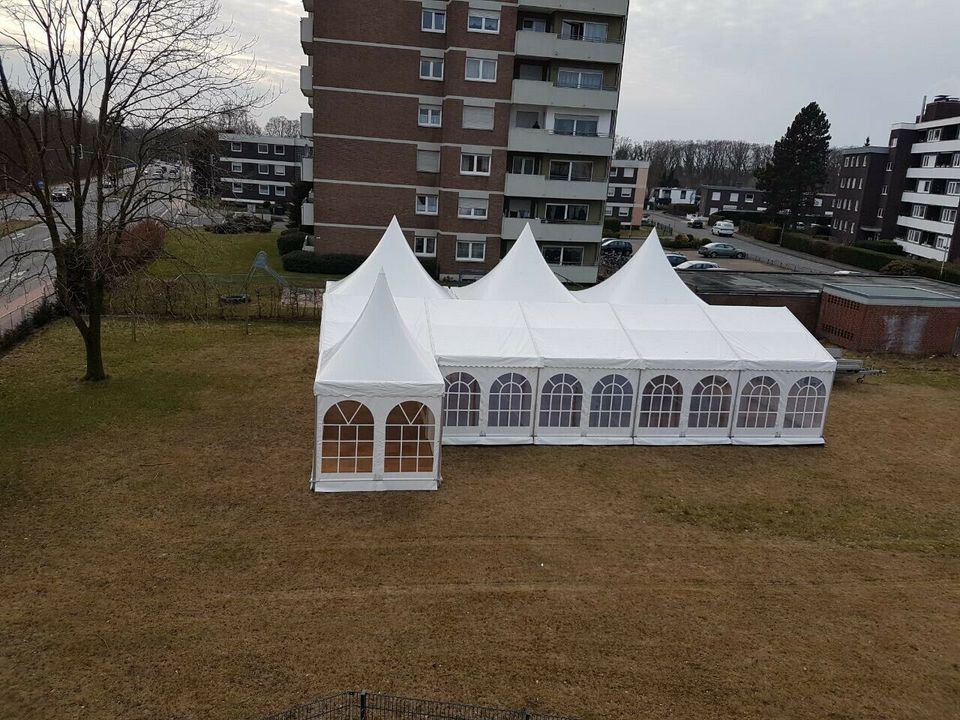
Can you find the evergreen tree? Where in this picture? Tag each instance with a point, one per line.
(798, 167)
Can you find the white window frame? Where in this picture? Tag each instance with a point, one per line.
(883, 190)
(953, 188)
(934, 134)
(880, 213)
(748, 198)
(919, 211)
(914, 235)
(236, 146)
(279, 150)
(236, 167)
(279, 170)
(425, 246)
(944, 242)
(475, 161)
(264, 189)
(929, 161)
(569, 177)
(846, 161)
(580, 72)
(432, 111)
(890, 166)
(471, 245)
(734, 197)
(948, 215)
(432, 64)
(238, 187)
(924, 187)
(481, 63)
(893, 142)
(484, 16)
(473, 213)
(716, 195)
(280, 191)
(611, 191)
(263, 148)
(566, 211)
(263, 168)
(956, 159)
(433, 15)
(427, 197)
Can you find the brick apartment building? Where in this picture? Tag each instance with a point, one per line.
(716, 199)
(467, 119)
(858, 210)
(627, 190)
(253, 170)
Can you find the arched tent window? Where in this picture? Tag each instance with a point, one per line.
(461, 400)
(759, 403)
(661, 403)
(710, 403)
(510, 399)
(611, 405)
(409, 439)
(346, 444)
(561, 401)
(806, 404)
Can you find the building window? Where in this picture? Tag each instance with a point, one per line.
(629, 172)
(474, 164)
(919, 211)
(715, 196)
(611, 404)
(236, 147)
(433, 21)
(483, 21)
(953, 188)
(280, 191)
(585, 79)
(428, 161)
(561, 402)
(880, 213)
(481, 69)
(933, 135)
(533, 25)
(236, 167)
(472, 251)
(477, 118)
(409, 439)
(818, 202)
(429, 116)
(263, 169)
(748, 198)
(611, 191)
(427, 204)
(528, 119)
(279, 170)
(846, 162)
(948, 215)
(914, 235)
(263, 149)
(759, 404)
(956, 159)
(461, 400)
(893, 142)
(734, 197)
(563, 254)
(710, 403)
(883, 190)
(943, 243)
(567, 213)
(576, 125)
(929, 161)
(574, 170)
(608, 211)
(524, 165)
(238, 188)
(347, 439)
(590, 31)
(661, 403)
(472, 208)
(431, 68)
(924, 186)
(279, 150)
(806, 404)
(264, 189)
(889, 166)
(425, 246)
(510, 400)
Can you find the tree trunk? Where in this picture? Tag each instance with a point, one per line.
(92, 339)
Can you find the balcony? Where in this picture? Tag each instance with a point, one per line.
(533, 140)
(306, 213)
(580, 274)
(552, 46)
(599, 7)
(924, 251)
(536, 92)
(552, 232)
(306, 169)
(306, 34)
(306, 80)
(306, 125)
(931, 226)
(934, 173)
(539, 186)
(915, 198)
(928, 148)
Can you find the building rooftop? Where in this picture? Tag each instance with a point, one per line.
(906, 294)
(875, 149)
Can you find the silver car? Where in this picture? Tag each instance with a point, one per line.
(712, 250)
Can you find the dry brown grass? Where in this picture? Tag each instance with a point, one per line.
(163, 557)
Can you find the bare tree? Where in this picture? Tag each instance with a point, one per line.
(94, 94)
(281, 126)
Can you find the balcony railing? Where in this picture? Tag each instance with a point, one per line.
(585, 86)
(577, 38)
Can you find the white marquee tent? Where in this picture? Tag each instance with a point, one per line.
(516, 358)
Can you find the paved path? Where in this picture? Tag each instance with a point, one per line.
(764, 252)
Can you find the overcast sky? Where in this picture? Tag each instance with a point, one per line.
(731, 69)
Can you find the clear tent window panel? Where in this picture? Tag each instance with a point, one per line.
(710, 403)
(661, 403)
(461, 401)
(346, 441)
(759, 404)
(561, 402)
(806, 404)
(409, 439)
(611, 404)
(510, 401)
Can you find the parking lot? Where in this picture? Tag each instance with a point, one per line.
(726, 263)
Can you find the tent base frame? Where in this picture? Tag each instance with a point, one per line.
(370, 484)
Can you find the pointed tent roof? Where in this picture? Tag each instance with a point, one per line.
(393, 256)
(646, 279)
(378, 357)
(522, 275)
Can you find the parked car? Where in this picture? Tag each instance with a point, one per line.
(616, 247)
(697, 265)
(697, 222)
(676, 259)
(647, 220)
(61, 195)
(721, 250)
(724, 228)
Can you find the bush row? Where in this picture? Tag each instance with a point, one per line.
(299, 261)
(684, 242)
(856, 256)
(291, 241)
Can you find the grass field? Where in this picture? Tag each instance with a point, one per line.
(163, 557)
(12, 226)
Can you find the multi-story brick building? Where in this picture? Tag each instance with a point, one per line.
(627, 190)
(858, 210)
(467, 119)
(254, 169)
(715, 199)
(921, 192)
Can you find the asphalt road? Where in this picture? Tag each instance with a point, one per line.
(763, 252)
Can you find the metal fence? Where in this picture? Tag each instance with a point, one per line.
(375, 706)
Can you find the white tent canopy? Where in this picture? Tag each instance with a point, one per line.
(522, 275)
(392, 256)
(646, 279)
(474, 333)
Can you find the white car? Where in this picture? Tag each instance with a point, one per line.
(724, 228)
(697, 265)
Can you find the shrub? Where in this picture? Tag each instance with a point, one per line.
(139, 244)
(679, 210)
(899, 267)
(684, 242)
(430, 265)
(885, 246)
(240, 223)
(290, 241)
(611, 228)
(300, 261)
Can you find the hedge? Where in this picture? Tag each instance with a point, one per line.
(290, 241)
(885, 246)
(684, 242)
(680, 210)
(848, 254)
(300, 261)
